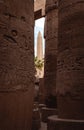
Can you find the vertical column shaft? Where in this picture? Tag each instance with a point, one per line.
(16, 64)
(70, 62)
(51, 36)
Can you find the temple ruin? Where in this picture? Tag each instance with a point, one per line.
(64, 65)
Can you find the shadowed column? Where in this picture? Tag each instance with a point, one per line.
(70, 63)
(16, 64)
(70, 67)
(51, 39)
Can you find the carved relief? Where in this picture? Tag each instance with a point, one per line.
(16, 48)
(70, 62)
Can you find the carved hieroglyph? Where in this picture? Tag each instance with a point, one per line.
(70, 62)
(16, 63)
(51, 39)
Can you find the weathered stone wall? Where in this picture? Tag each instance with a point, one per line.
(16, 64)
(70, 62)
(51, 36)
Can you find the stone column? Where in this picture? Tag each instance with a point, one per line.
(16, 64)
(51, 39)
(70, 64)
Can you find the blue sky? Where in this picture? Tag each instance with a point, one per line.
(39, 26)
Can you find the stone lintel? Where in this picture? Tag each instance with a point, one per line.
(39, 9)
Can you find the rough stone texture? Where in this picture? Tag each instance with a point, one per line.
(16, 64)
(51, 36)
(70, 62)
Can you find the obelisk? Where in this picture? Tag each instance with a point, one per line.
(16, 64)
(39, 46)
(40, 72)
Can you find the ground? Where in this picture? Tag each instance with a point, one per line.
(43, 126)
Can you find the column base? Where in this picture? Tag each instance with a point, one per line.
(55, 123)
(46, 112)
